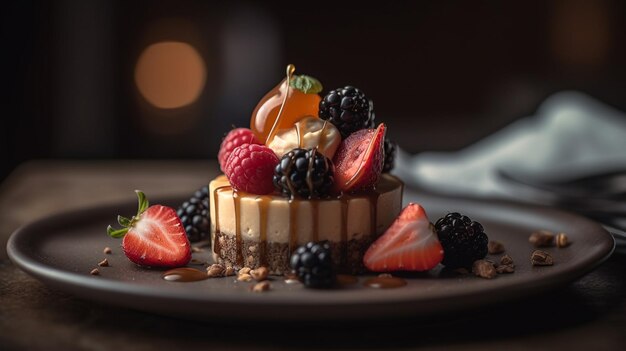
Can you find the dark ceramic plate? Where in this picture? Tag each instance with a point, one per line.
(62, 250)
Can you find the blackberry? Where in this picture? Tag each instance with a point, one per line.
(304, 173)
(464, 241)
(194, 214)
(348, 109)
(313, 265)
(390, 155)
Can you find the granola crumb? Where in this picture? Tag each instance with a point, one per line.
(541, 258)
(229, 271)
(95, 271)
(104, 263)
(506, 259)
(542, 238)
(259, 274)
(561, 240)
(261, 286)
(495, 247)
(107, 250)
(215, 270)
(244, 277)
(484, 269)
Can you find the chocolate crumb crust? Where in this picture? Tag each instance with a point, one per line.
(348, 257)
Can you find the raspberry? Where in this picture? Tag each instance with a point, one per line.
(250, 168)
(233, 139)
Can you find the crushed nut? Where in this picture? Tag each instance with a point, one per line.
(215, 270)
(541, 258)
(104, 263)
(95, 271)
(385, 275)
(484, 269)
(261, 286)
(561, 240)
(505, 268)
(506, 259)
(495, 247)
(260, 273)
(229, 271)
(244, 270)
(542, 238)
(107, 250)
(244, 277)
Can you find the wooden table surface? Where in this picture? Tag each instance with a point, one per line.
(589, 314)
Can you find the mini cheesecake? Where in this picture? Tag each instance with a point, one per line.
(250, 230)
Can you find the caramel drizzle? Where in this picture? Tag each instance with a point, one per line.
(290, 70)
(315, 209)
(216, 245)
(293, 225)
(344, 230)
(299, 135)
(264, 202)
(238, 239)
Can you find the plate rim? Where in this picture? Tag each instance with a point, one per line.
(77, 283)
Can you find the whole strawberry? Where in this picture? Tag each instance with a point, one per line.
(154, 237)
(234, 138)
(250, 168)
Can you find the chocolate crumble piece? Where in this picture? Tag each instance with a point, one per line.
(103, 263)
(541, 258)
(495, 247)
(505, 268)
(107, 250)
(95, 271)
(484, 269)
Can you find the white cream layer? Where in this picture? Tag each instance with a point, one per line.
(388, 204)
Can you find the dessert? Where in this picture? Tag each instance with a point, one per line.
(308, 169)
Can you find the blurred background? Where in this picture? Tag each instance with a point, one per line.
(166, 79)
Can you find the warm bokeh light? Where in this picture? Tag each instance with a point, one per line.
(170, 74)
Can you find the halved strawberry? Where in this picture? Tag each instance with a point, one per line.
(359, 160)
(155, 237)
(410, 244)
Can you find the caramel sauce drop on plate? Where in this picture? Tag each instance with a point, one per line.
(184, 274)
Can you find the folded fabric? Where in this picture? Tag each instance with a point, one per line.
(572, 135)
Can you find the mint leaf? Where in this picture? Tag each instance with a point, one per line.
(116, 233)
(306, 84)
(143, 202)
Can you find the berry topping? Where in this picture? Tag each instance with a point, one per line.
(234, 138)
(304, 173)
(293, 99)
(250, 167)
(410, 244)
(193, 213)
(464, 241)
(348, 109)
(310, 132)
(359, 160)
(313, 265)
(390, 155)
(154, 237)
